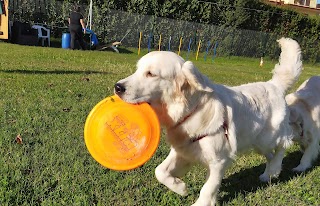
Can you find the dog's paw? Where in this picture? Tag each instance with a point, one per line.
(180, 187)
(264, 177)
(300, 168)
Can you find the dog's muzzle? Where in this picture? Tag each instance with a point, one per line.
(119, 88)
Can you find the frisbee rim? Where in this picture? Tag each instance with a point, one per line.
(144, 155)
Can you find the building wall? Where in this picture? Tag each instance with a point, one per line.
(313, 3)
(307, 3)
(288, 1)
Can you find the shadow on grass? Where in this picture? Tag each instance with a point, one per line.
(248, 180)
(21, 71)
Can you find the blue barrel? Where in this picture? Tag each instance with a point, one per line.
(66, 38)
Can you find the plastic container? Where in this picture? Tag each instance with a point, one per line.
(94, 40)
(93, 37)
(66, 38)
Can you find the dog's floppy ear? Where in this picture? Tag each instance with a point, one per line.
(194, 78)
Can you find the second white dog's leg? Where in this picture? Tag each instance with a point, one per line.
(209, 191)
(170, 169)
(273, 167)
(309, 155)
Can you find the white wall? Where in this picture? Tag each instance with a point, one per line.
(288, 1)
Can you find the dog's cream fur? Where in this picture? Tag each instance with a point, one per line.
(304, 105)
(211, 123)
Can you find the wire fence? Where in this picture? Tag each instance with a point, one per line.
(174, 35)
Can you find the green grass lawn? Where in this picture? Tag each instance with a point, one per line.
(46, 95)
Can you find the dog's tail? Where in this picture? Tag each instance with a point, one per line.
(288, 70)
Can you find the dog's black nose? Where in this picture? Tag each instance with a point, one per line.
(119, 88)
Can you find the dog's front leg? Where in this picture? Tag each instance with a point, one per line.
(273, 166)
(310, 153)
(209, 191)
(170, 169)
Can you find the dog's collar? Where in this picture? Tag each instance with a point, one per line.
(225, 128)
(199, 137)
(185, 118)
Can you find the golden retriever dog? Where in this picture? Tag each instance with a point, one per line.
(212, 123)
(304, 106)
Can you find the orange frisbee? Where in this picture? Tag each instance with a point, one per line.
(121, 136)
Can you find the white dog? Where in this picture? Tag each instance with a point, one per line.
(304, 107)
(211, 123)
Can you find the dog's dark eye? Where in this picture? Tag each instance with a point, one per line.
(149, 74)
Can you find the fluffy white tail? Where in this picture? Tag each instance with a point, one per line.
(288, 70)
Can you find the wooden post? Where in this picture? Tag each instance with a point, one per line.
(180, 46)
(140, 43)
